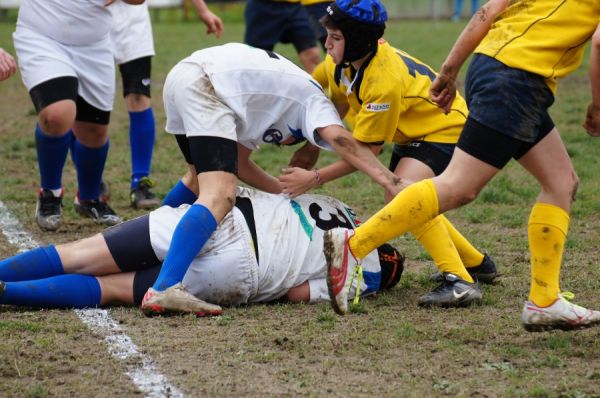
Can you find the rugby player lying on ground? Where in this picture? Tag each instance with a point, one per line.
(268, 247)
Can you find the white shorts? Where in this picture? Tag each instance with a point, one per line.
(131, 34)
(42, 58)
(225, 271)
(192, 107)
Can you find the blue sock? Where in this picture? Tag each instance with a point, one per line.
(63, 291)
(141, 143)
(89, 163)
(51, 154)
(179, 195)
(192, 232)
(33, 264)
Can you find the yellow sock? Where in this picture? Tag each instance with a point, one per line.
(412, 207)
(435, 238)
(470, 256)
(547, 230)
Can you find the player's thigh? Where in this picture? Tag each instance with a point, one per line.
(135, 75)
(95, 68)
(131, 33)
(40, 58)
(89, 256)
(226, 271)
(130, 244)
(549, 162)
(418, 160)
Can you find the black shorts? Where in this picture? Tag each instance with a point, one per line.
(270, 22)
(433, 154)
(130, 246)
(65, 88)
(493, 147)
(136, 76)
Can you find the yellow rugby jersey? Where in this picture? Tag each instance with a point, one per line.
(320, 74)
(390, 95)
(545, 37)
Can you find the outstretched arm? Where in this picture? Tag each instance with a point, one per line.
(360, 156)
(443, 89)
(295, 181)
(213, 23)
(592, 119)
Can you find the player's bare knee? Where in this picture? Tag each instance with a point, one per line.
(137, 102)
(56, 120)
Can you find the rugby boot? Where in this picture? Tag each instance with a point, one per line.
(452, 292)
(141, 197)
(48, 211)
(482, 273)
(341, 265)
(97, 210)
(562, 314)
(176, 299)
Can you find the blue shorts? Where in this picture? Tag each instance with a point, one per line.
(270, 22)
(510, 101)
(315, 13)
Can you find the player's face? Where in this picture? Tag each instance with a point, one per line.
(335, 45)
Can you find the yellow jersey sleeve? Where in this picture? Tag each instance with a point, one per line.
(542, 37)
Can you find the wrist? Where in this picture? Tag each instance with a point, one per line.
(317, 176)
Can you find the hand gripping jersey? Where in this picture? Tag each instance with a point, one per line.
(390, 94)
(272, 98)
(73, 22)
(545, 37)
(288, 246)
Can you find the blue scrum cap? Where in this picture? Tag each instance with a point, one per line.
(366, 11)
(362, 23)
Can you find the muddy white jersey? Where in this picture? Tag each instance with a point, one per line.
(73, 22)
(272, 98)
(234, 268)
(290, 242)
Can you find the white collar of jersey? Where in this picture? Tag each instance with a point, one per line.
(344, 79)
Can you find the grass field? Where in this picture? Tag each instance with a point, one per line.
(392, 348)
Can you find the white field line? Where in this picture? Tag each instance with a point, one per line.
(140, 368)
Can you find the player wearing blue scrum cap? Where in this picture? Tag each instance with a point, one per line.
(520, 49)
(389, 91)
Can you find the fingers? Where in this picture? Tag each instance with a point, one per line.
(8, 66)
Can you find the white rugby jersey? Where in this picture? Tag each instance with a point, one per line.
(272, 97)
(73, 22)
(290, 243)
